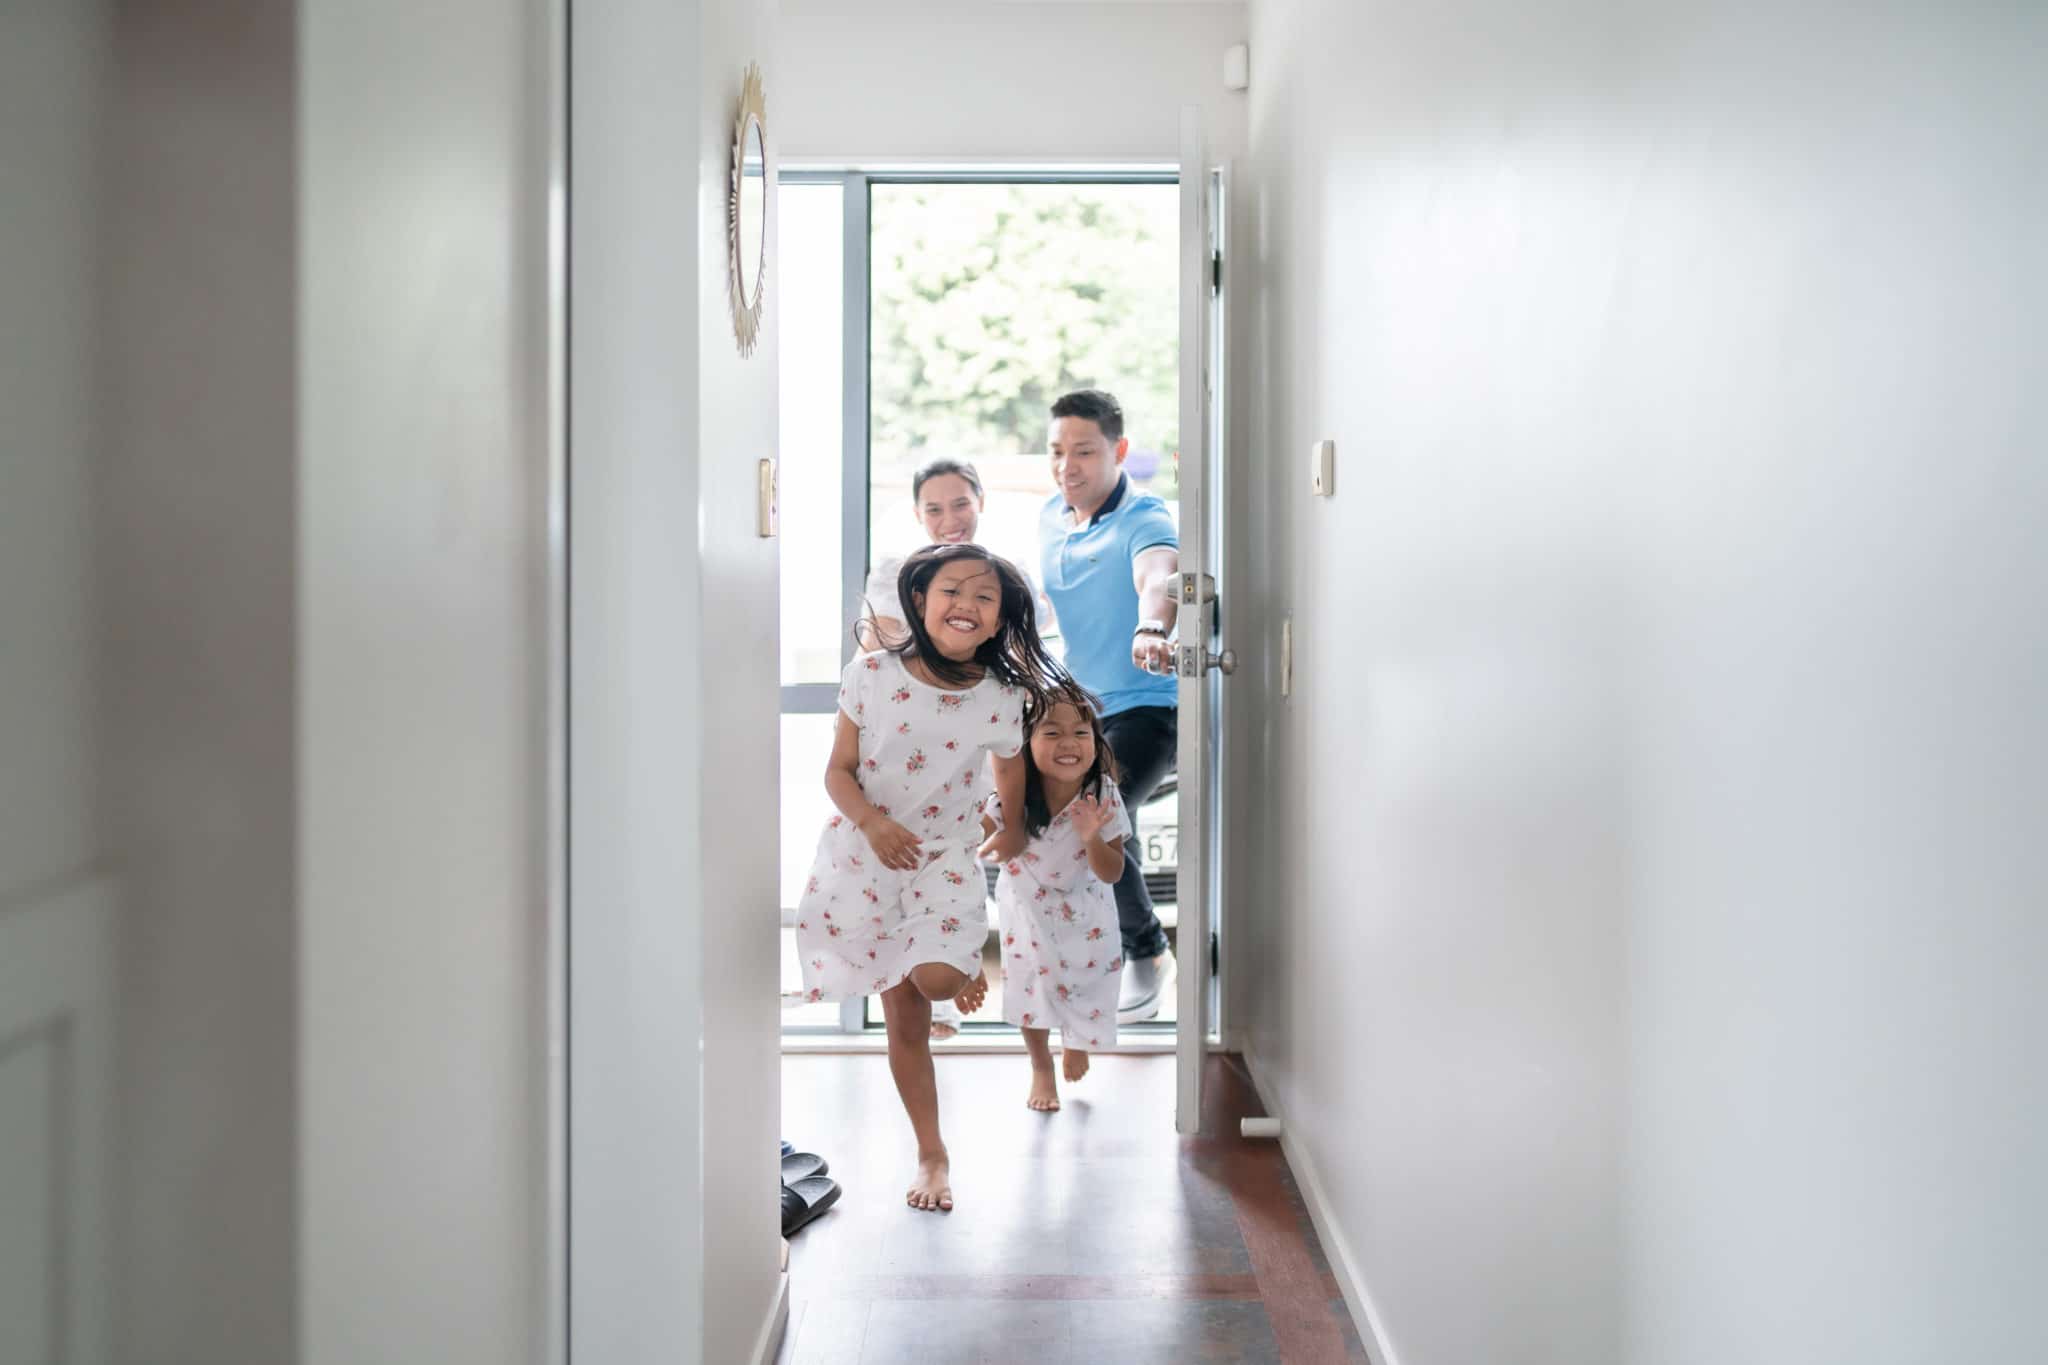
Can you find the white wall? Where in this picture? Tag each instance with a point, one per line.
(673, 905)
(56, 961)
(272, 575)
(195, 525)
(52, 100)
(934, 80)
(1653, 847)
(422, 383)
(739, 674)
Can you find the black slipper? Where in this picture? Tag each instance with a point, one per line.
(802, 1166)
(805, 1200)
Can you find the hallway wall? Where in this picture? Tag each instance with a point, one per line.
(673, 696)
(195, 534)
(423, 201)
(56, 962)
(1653, 842)
(934, 80)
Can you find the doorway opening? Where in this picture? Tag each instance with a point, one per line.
(939, 315)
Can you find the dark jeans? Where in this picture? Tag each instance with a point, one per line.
(1143, 739)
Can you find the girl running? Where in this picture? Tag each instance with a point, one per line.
(1062, 959)
(946, 495)
(896, 902)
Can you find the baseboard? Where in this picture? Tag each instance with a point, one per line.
(770, 1341)
(1343, 1264)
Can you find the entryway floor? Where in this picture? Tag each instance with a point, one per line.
(1095, 1234)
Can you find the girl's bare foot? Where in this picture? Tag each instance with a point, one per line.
(942, 1030)
(932, 1190)
(1074, 1063)
(1045, 1091)
(970, 999)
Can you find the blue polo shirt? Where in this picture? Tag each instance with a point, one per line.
(1087, 575)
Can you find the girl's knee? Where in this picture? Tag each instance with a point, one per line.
(937, 981)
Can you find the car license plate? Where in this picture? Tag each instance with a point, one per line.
(1162, 846)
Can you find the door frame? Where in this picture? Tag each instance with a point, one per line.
(856, 416)
(1196, 756)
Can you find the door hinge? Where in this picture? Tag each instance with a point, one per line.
(1216, 272)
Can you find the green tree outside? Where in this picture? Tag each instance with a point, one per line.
(989, 301)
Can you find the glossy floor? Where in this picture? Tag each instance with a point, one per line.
(1095, 1234)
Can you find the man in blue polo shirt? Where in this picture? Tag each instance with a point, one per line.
(1110, 555)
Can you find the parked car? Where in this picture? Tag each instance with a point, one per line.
(1158, 836)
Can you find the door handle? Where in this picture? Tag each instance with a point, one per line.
(1192, 661)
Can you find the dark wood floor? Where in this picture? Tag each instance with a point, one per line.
(1092, 1235)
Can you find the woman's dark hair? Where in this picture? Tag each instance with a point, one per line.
(1014, 655)
(945, 464)
(1037, 814)
(1095, 405)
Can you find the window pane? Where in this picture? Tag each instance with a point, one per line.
(988, 302)
(806, 744)
(809, 285)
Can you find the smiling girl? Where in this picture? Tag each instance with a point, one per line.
(895, 905)
(1062, 958)
(947, 496)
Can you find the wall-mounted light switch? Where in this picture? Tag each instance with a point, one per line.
(1323, 468)
(768, 498)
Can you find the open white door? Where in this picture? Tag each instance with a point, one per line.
(1200, 664)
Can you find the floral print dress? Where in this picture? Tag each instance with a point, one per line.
(924, 763)
(1062, 956)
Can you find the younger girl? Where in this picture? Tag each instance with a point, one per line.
(896, 902)
(1062, 962)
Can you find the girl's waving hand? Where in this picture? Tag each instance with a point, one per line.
(1089, 816)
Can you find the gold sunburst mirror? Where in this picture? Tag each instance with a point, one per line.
(746, 215)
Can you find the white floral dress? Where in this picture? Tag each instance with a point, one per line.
(924, 763)
(1062, 956)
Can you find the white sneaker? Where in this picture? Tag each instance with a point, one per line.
(1146, 982)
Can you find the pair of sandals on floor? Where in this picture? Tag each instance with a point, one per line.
(806, 1190)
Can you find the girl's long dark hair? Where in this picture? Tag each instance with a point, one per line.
(1037, 813)
(1013, 656)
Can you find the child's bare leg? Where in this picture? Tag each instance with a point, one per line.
(1073, 1060)
(907, 1008)
(1045, 1090)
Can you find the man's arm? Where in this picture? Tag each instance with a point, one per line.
(1154, 573)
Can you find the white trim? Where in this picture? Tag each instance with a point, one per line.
(1343, 1264)
(553, 850)
(775, 1326)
